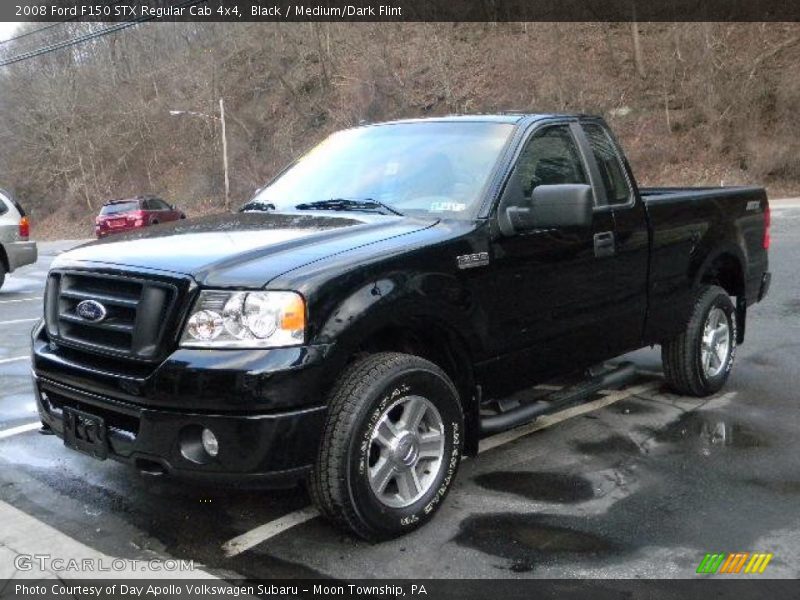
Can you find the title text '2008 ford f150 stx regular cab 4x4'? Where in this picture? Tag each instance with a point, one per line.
(353, 322)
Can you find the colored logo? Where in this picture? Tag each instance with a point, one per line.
(735, 563)
(91, 310)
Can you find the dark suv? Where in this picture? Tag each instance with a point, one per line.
(132, 213)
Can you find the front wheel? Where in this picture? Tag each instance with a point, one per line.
(2, 273)
(391, 446)
(698, 361)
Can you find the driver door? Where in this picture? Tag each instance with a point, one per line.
(553, 282)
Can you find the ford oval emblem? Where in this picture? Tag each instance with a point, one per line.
(91, 310)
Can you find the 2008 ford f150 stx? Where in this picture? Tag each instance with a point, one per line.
(355, 323)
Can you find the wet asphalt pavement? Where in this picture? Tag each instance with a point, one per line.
(643, 487)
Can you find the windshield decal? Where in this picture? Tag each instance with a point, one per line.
(447, 207)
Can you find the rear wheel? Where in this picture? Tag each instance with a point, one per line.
(2, 273)
(391, 446)
(699, 360)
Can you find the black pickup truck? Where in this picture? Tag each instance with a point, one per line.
(356, 323)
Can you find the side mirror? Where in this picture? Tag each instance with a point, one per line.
(564, 205)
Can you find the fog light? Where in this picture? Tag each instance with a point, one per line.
(210, 443)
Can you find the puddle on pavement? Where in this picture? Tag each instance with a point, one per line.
(526, 541)
(710, 430)
(539, 486)
(633, 407)
(791, 307)
(615, 444)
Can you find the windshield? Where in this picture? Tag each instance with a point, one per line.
(433, 167)
(119, 207)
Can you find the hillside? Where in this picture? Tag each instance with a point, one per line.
(703, 104)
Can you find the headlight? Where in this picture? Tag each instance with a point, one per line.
(245, 320)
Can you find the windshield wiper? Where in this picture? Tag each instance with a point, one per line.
(346, 204)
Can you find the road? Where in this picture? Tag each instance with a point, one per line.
(639, 483)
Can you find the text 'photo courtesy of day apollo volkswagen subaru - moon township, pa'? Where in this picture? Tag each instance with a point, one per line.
(354, 325)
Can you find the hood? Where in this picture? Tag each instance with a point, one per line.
(239, 250)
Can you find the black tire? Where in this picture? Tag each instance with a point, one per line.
(682, 355)
(2, 273)
(339, 483)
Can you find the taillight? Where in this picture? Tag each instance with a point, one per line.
(767, 220)
(24, 228)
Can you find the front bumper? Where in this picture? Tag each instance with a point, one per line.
(262, 405)
(276, 450)
(20, 254)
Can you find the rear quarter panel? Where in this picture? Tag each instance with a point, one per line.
(690, 229)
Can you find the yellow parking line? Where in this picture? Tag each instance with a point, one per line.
(20, 429)
(550, 420)
(19, 321)
(14, 359)
(262, 533)
(20, 300)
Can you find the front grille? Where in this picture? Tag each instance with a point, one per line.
(137, 313)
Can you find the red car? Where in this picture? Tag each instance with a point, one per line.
(123, 215)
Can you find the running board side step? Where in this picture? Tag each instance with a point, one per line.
(623, 374)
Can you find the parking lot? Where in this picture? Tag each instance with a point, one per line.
(638, 483)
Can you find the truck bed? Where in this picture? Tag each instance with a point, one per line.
(688, 225)
(678, 194)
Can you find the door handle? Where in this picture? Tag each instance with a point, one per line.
(604, 244)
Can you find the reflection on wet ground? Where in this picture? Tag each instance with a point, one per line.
(707, 430)
(544, 487)
(670, 501)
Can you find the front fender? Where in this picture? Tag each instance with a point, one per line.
(401, 299)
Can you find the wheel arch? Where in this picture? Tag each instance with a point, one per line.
(726, 268)
(432, 340)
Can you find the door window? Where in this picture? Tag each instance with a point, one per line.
(550, 158)
(611, 171)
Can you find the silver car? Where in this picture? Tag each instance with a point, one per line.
(15, 248)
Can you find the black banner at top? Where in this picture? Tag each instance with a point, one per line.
(400, 10)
